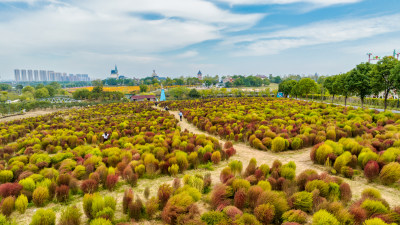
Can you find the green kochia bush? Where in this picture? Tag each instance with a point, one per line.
(296, 216)
(322, 153)
(44, 217)
(322, 186)
(322, 217)
(390, 173)
(213, 217)
(279, 144)
(373, 206)
(303, 201)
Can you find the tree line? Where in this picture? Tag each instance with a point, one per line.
(364, 80)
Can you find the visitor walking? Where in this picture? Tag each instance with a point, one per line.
(105, 136)
(180, 115)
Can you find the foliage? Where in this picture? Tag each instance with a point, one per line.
(44, 217)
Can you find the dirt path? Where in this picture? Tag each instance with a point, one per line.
(29, 114)
(302, 159)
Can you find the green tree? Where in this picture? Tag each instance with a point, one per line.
(329, 83)
(359, 81)
(342, 83)
(5, 87)
(178, 92)
(38, 86)
(396, 74)
(81, 94)
(97, 86)
(42, 93)
(286, 86)
(193, 93)
(143, 88)
(306, 86)
(29, 89)
(266, 82)
(382, 78)
(52, 91)
(56, 85)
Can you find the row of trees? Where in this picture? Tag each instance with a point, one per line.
(364, 80)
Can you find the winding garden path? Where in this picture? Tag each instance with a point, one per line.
(302, 159)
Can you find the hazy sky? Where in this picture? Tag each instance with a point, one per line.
(180, 37)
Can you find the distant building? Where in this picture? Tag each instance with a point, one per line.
(200, 75)
(43, 75)
(154, 75)
(23, 76)
(17, 75)
(36, 75)
(261, 76)
(30, 75)
(141, 98)
(114, 73)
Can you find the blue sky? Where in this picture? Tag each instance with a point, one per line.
(180, 37)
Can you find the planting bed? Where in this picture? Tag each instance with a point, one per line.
(351, 141)
(55, 157)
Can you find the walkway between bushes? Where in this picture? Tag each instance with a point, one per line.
(302, 159)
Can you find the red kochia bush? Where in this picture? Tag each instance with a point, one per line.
(371, 170)
(62, 193)
(89, 186)
(345, 192)
(7, 206)
(10, 189)
(252, 194)
(111, 181)
(219, 196)
(359, 214)
(126, 200)
(164, 192)
(240, 198)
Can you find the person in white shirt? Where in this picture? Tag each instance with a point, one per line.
(105, 136)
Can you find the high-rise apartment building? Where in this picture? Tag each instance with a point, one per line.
(30, 75)
(23, 76)
(36, 75)
(17, 75)
(43, 75)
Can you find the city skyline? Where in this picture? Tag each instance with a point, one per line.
(46, 75)
(178, 38)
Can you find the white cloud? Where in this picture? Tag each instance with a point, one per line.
(313, 34)
(188, 54)
(282, 2)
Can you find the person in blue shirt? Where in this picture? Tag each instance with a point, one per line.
(180, 115)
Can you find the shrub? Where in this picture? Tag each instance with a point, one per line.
(87, 205)
(373, 206)
(347, 171)
(21, 203)
(297, 216)
(70, 215)
(232, 212)
(100, 221)
(164, 193)
(40, 196)
(127, 199)
(322, 153)
(277, 199)
(151, 206)
(10, 189)
(79, 172)
(135, 209)
(345, 192)
(89, 186)
(342, 160)
(6, 176)
(240, 198)
(62, 193)
(278, 144)
(213, 217)
(240, 183)
(252, 194)
(371, 193)
(173, 170)
(358, 213)
(288, 172)
(177, 205)
(297, 143)
(371, 170)
(303, 201)
(220, 196)
(265, 213)
(63, 179)
(320, 185)
(146, 193)
(140, 169)
(251, 167)
(129, 176)
(375, 221)
(216, 157)
(322, 217)
(111, 181)
(247, 219)
(390, 173)
(44, 217)
(7, 206)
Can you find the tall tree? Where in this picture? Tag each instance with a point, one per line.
(359, 81)
(343, 85)
(329, 83)
(382, 79)
(286, 86)
(307, 85)
(396, 74)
